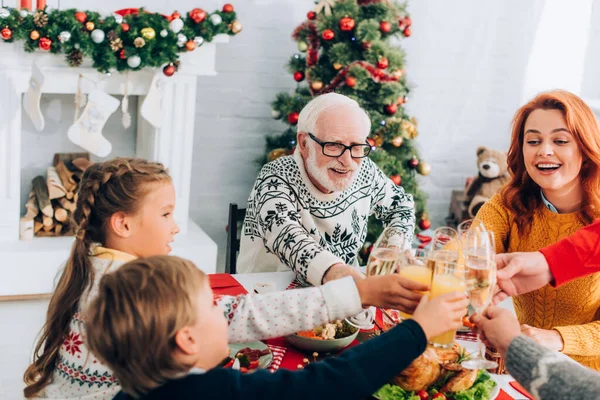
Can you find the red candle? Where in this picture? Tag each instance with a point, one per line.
(41, 4)
(26, 4)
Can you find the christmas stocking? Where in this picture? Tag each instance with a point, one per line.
(31, 99)
(87, 131)
(151, 110)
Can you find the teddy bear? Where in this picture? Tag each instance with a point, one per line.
(493, 175)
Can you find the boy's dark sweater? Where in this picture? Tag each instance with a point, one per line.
(356, 373)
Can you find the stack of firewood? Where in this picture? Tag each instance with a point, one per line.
(52, 198)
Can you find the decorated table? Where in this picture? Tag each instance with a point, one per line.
(285, 356)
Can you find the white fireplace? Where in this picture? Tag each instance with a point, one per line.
(30, 267)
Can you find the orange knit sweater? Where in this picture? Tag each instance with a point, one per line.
(574, 308)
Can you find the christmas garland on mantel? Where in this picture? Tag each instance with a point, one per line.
(129, 39)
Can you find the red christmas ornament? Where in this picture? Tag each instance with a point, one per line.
(397, 179)
(328, 34)
(169, 70)
(413, 162)
(425, 224)
(382, 63)
(298, 76)
(311, 15)
(175, 15)
(198, 15)
(122, 55)
(407, 32)
(6, 33)
(347, 24)
(385, 26)
(407, 22)
(350, 81)
(81, 16)
(125, 27)
(293, 118)
(45, 44)
(391, 109)
(227, 8)
(371, 141)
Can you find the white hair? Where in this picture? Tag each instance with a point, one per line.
(309, 115)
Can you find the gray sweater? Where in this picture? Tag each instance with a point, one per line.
(547, 374)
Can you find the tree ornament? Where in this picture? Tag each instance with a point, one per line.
(169, 70)
(311, 15)
(316, 85)
(75, 58)
(45, 44)
(125, 27)
(6, 33)
(425, 224)
(34, 35)
(302, 46)
(409, 129)
(235, 27)
(350, 81)
(347, 24)
(404, 23)
(198, 15)
(227, 8)
(175, 15)
(111, 35)
(190, 45)
(97, 36)
(199, 40)
(293, 118)
(176, 25)
(181, 39)
(216, 19)
(378, 139)
(382, 63)
(24, 13)
(397, 141)
(397, 179)
(40, 19)
(413, 162)
(276, 153)
(298, 76)
(275, 114)
(134, 61)
(81, 17)
(139, 42)
(4, 12)
(148, 33)
(424, 168)
(337, 66)
(366, 45)
(385, 26)
(328, 34)
(122, 55)
(118, 18)
(391, 109)
(89, 26)
(407, 32)
(116, 44)
(164, 33)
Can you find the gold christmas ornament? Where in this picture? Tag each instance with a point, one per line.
(139, 42)
(275, 154)
(397, 141)
(90, 26)
(337, 66)
(378, 138)
(34, 35)
(316, 85)
(116, 44)
(409, 129)
(235, 27)
(424, 168)
(148, 33)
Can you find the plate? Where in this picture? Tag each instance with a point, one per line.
(263, 362)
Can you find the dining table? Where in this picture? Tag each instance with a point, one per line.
(279, 281)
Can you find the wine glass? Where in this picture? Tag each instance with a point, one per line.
(480, 275)
(445, 243)
(417, 268)
(387, 252)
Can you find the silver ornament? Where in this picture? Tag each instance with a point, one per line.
(64, 36)
(275, 114)
(4, 12)
(118, 18)
(134, 61)
(181, 39)
(164, 33)
(199, 40)
(176, 25)
(76, 45)
(216, 19)
(23, 13)
(98, 36)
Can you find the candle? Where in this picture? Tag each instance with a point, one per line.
(41, 4)
(26, 4)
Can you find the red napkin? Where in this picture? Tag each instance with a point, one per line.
(278, 353)
(225, 285)
(504, 396)
(521, 389)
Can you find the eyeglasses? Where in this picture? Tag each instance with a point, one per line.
(333, 149)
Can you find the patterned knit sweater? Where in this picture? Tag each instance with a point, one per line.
(290, 224)
(78, 374)
(572, 309)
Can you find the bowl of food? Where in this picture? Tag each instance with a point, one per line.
(251, 356)
(438, 374)
(326, 338)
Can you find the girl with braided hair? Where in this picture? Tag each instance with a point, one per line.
(124, 212)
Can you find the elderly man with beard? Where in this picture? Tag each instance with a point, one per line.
(308, 212)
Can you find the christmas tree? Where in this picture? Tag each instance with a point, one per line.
(345, 46)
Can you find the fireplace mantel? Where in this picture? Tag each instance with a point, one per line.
(30, 267)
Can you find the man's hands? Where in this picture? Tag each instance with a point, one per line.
(390, 291)
(520, 273)
(340, 270)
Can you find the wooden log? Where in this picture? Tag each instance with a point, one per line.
(58, 228)
(66, 204)
(68, 158)
(70, 195)
(41, 194)
(56, 190)
(31, 206)
(48, 228)
(60, 214)
(66, 177)
(47, 221)
(82, 163)
(37, 226)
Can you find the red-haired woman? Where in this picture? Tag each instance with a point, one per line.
(554, 159)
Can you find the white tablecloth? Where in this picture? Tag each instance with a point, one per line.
(281, 280)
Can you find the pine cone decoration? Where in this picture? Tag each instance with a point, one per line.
(111, 35)
(75, 58)
(40, 19)
(116, 44)
(139, 42)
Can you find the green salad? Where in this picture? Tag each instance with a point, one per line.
(481, 390)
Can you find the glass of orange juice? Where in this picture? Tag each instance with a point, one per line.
(416, 268)
(448, 277)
